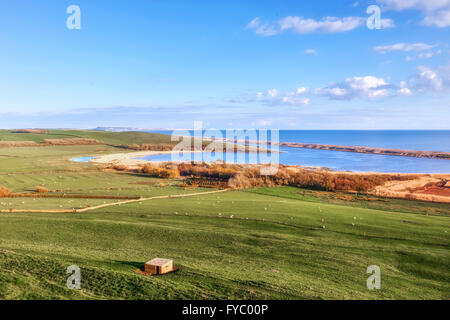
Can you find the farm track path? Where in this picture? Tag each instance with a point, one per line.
(113, 204)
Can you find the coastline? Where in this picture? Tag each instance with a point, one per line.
(132, 160)
(422, 187)
(370, 150)
(355, 149)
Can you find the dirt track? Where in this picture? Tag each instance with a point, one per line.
(111, 204)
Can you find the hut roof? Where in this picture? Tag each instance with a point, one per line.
(159, 262)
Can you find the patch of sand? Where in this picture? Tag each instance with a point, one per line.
(130, 159)
(424, 188)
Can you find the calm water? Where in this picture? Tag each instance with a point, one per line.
(83, 159)
(432, 140)
(412, 140)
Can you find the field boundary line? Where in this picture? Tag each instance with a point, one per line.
(112, 204)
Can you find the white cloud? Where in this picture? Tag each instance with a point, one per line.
(387, 23)
(403, 47)
(273, 93)
(333, 92)
(404, 90)
(301, 90)
(432, 79)
(360, 87)
(423, 5)
(428, 78)
(426, 55)
(302, 25)
(310, 51)
(261, 28)
(440, 19)
(293, 100)
(275, 97)
(436, 12)
(368, 87)
(264, 122)
(326, 25)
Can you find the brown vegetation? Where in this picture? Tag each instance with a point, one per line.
(72, 142)
(440, 188)
(35, 131)
(219, 171)
(50, 142)
(8, 144)
(234, 176)
(316, 180)
(66, 196)
(214, 146)
(424, 187)
(4, 192)
(149, 147)
(161, 172)
(204, 183)
(238, 177)
(120, 167)
(244, 176)
(40, 189)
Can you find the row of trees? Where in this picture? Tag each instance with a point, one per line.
(316, 180)
(161, 172)
(150, 147)
(219, 171)
(239, 176)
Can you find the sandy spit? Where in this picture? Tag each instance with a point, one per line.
(130, 159)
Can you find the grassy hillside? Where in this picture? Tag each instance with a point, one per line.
(271, 248)
(360, 200)
(111, 138)
(266, 243)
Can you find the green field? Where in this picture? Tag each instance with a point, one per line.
(265, 243)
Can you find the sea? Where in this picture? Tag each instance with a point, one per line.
(424, 140)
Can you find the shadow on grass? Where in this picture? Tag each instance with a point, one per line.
(134, 264)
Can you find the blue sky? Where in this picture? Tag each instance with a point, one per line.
(278, 64)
